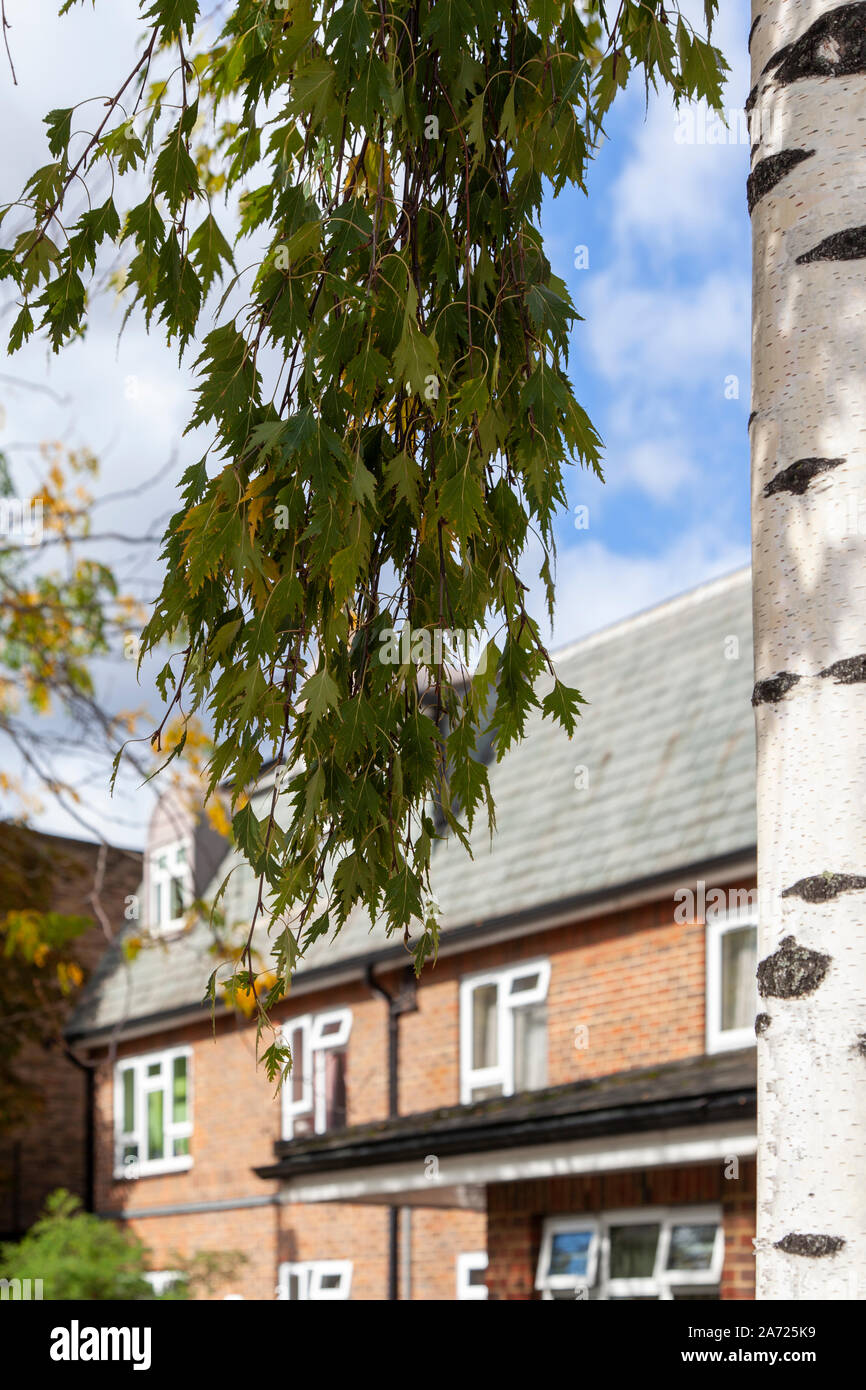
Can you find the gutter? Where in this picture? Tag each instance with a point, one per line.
(483, 931)
(739, 1103)
(89, 1127)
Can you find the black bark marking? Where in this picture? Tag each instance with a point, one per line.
(860, 1045)
(791, 972)
(752, 417)
(815, 1247)
(762, 1023)
(851, 670)
(755, 22)
(770, 171)
(751, 99)
(849, 245)
(823, 888)
(770, 692)
(834, 46)
(797, 476)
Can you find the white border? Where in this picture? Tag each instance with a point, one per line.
(310, 1274)
(662, 1282)
(151, 1167)
(717, 1038)
(502, 1074)
(467, 1262)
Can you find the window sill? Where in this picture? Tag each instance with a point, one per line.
(733, 1041)
(153, 1168)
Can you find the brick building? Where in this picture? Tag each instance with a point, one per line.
(563, 1107)
(54, 1146)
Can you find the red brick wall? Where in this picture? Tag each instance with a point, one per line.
(634, 980)
(516, 1212)
(236, 1119)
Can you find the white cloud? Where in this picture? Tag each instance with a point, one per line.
(659, 469)
(676, 334)
(597, 585)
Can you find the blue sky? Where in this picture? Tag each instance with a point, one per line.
(666, 303)
(665, 300)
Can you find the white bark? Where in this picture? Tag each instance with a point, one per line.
(809, 557)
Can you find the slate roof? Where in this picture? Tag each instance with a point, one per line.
(698, 1090)
(667, 744)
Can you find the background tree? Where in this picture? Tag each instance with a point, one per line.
(384, 384)
(80, 1256)
(808, 432)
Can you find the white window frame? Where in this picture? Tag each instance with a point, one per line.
(161, 1280)
(467, 1263)
(556, 1225)
(314, 1046)
(720, 1039)
(144, 1084)
(503, 1073)
(310, 1274)
(662, 1283)
(162, 878)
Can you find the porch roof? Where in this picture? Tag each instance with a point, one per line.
(699, 1092)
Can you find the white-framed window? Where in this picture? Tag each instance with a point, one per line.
(315, 1279)
(161, 1280)
(503, 1031)
(732, 990)
(153, 1113)
(471, 1269)
(170, 886)
(314, 1095)
(646, 1254)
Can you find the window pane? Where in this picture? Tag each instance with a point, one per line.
(477, 1277)
(691, 1247)
(130, 1154)
(487, 1092)
(530, 1047)
(178, 905)
(155, 1124)
(179, 1109)
(294, 1289)
(633, 1251)
(484, 1012)
(524, 982)
(739, 964)
(128, 1100)
(154, 1069)
(180, 854)
(335, 1090)
(296, 1076)
(157, 903)
(180, 1147)
(330, 1281)
(569, 1253)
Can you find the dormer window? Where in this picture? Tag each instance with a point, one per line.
(170, 886)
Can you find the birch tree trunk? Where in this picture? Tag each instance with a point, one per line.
(807, 196)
